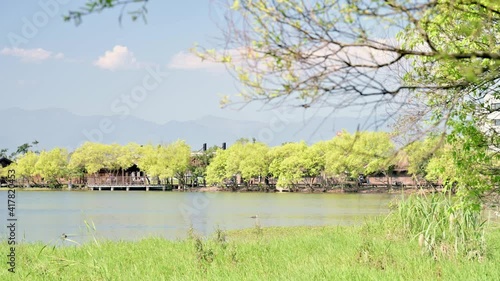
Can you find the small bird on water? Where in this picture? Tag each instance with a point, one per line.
(257, 222)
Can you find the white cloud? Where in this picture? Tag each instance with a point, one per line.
(333, 57)
(31, 55)
(23, 82)
(189, 61)
(118, 58)
(329, 56)
(59, 56)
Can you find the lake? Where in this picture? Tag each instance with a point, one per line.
(46, 215)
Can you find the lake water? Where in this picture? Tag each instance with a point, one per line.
(46, 215)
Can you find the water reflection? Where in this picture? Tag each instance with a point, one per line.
(44, 216)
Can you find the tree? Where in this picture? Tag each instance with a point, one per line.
(88, 157)
(248, 159)
(128, 155)
(440, 167)
(3, 152)
(21, 150)
(471, 153)
(255, 160)
(111, 154)
(177, 158)
(469, 166)
(323, 50)
(216, 171)
(165, 161)
(419, 153)
(378, 152)
(52, 165)
(148, 162)
(292, 163)
(25, 166)
(97, 6)
(287, 163)
(201, 161)
(326, 51)
(316, 156)
(3, 171)
(360, 153)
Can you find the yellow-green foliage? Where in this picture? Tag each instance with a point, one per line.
(420, 152)
(249, 159)
(52, 164)
(216, 171)
(360, 153)
(128, 155)
(88, 156)
(25, 165)
(286, 162)
(164, 161)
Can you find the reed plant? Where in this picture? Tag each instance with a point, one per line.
(441, 226)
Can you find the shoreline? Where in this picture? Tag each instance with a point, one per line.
(361, 190)
(215, 189)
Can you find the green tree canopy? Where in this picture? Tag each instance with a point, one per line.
(148, 162)
(287, 162)
(25, 166)
(88, 156)
(360, 153)
(216, 171)
(52, 165)
(177, 157)
(202, 160)
(165, 161)
(128, 155)
(419, 153)
(255, 161)
(248, 159)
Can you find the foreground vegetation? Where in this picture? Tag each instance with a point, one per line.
(382, 249)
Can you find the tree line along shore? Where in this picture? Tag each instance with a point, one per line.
(347, 162)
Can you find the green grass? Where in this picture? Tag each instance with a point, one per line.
(375, 250)
(443, 227)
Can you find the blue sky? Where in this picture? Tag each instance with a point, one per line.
(90, 69)
(103, 68)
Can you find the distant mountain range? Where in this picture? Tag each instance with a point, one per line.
(60, 128)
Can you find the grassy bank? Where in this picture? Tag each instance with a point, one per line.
(375, 250)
